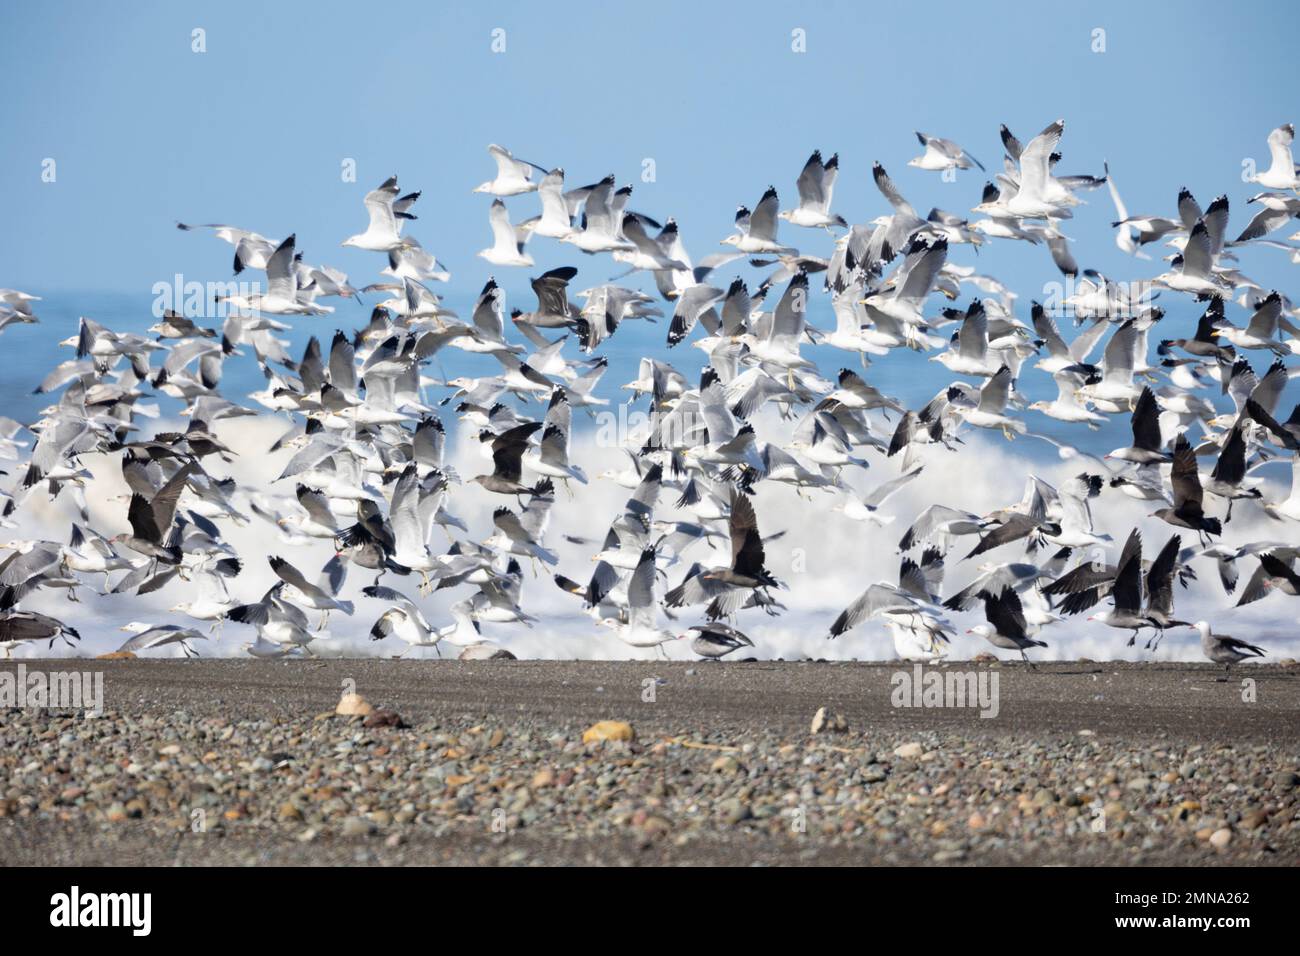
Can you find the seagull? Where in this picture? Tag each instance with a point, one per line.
(867, 507)
(1126, 590)
(514, 176)
(522, 533)
(816, 184)
(508, 450)
(383, 233)
(1067, 407)
(942, 154)
(1193, 271)
(640, 628)
(1147, 444)
(1006, 627)
(756, 231)
(714, 641)
(507, 247)
(318, 597)
(1225, 650)
(924, 628)
(603, 222)
(1186, 511)
(282, 292)
(556, 220)
(990, 409)
(730, 586)
(1282, 173)
(402, 620)
(551, 457)
(1040, 195)
(1277, 209)
(281, 625)
(1262, 329)
(149, 636)
(152, 519)
(20, 627)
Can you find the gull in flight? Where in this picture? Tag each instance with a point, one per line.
(990, 410)
(508, 241)
(403, 620)
(1040, 194)
(918, 630)
(941, 154)
(282, 293)
(556, 220)
(602, 216)
(514, 176)
(640, 629)
(383, 233)
(148, 636)
(1282, 173)
(756, 231)
(815, 184)
(1277, 210)
(1006, 627)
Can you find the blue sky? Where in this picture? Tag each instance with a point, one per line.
(252, 132)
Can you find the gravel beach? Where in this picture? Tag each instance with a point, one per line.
(246, 762)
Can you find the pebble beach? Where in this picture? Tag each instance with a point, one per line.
(248, 763)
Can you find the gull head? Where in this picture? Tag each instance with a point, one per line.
(732, 240)
(136, 627)
(70, 341)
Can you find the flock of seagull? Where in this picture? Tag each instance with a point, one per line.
(368, 474)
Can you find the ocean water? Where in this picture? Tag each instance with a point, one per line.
(826, 559)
